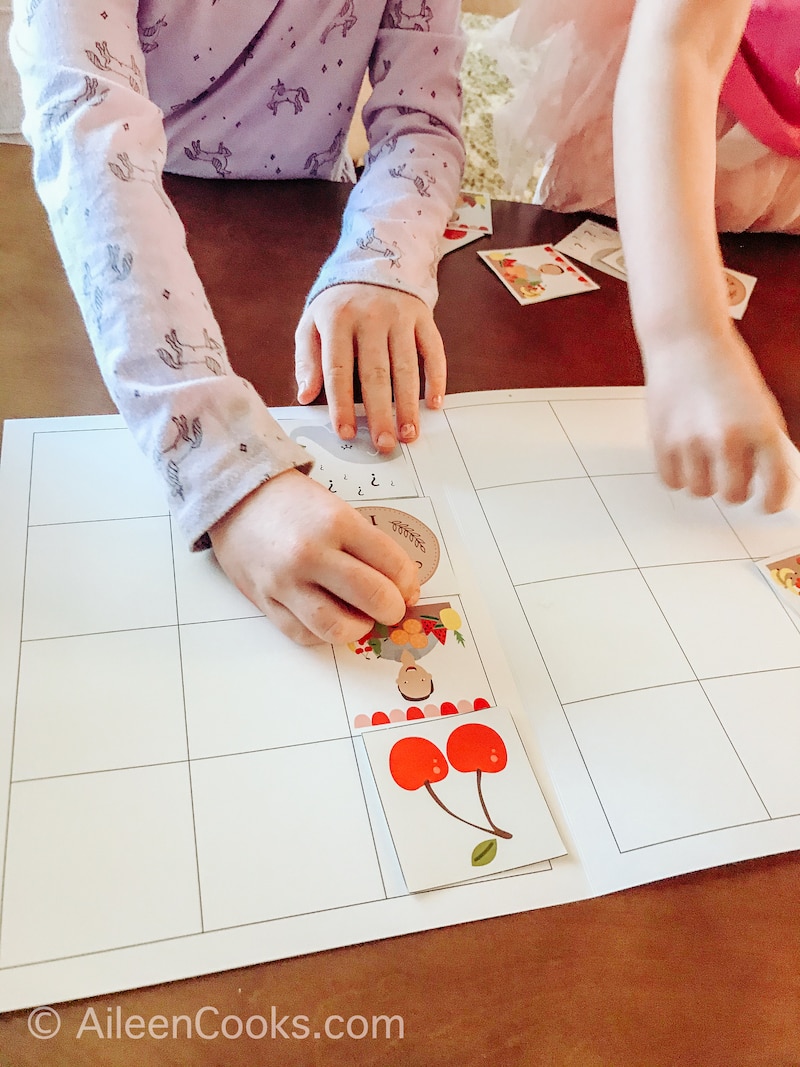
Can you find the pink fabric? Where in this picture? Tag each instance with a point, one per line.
(762, 88)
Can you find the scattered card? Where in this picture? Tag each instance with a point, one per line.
(594, 244)
(783, 574)
(600, 247)
(616, 260)
(537, 273)
(471, 220)
(460, 798)
(473, 211)
(453, 239)
(740, 286)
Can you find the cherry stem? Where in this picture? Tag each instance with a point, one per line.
(444, 807)
(495, 829)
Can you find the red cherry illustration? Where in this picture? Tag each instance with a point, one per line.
(475, 747)
(416, 761)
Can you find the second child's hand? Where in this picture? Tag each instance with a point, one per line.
(716, 426)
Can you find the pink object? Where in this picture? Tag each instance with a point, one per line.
(762, 88)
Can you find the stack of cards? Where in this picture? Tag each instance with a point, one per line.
(471, 220)
(537, 273)
(600, 247)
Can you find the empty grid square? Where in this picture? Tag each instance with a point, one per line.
(283, 832)
(662, 527)
(753, 710)
(85, 475)
(662, 766)
(102, 701)
(726, 618)
(610, 436)
(506, 443)
(113, 864)
(602, 633)
(249, 687)
(553, 529)
(762, 534)
(90, 577)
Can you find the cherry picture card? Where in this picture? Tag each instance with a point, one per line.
(460, 798)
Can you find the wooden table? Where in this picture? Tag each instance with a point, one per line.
(700, 970)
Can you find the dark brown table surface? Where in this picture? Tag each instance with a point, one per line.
(697, 971)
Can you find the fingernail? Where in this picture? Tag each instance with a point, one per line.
(412, 600)
(301, 388)
(408, 432)
(386, 442)
(436, 401)
(347, 433)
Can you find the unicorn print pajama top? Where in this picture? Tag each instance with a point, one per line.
(116, 92)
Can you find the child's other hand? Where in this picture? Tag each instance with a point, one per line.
(385, 332)
(715, 423)
(311, 563)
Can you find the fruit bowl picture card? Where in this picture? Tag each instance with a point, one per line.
(460, 798)
(537, 273)
(783, 573)
(472, 211)
(471, 220)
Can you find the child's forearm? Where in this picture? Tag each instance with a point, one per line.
(665, 162)
(400, 207)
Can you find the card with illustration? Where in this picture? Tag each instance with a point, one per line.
(353, 469)
(460, 798)
(600, 247)
(473, 211)
(616, 260)
(416, 529)
(453, 238)
(596, 245)
(783, 573)
(423, 667)
(537, 273)
(739, 288)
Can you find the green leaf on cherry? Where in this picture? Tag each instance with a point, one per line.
(484, 853)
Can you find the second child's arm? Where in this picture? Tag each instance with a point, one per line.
(714, 421)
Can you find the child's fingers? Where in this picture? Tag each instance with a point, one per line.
(405, 377)
(337, 342)
(379, 552)
(774, 469)
(736, 469)
(670, 466)
(374, 372)
(431, 348)
(307, 359)
(697, 468)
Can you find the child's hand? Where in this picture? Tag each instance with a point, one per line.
(311, 563)
(715, 423)
(385, 332)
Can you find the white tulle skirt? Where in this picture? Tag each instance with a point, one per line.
(562, 58)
